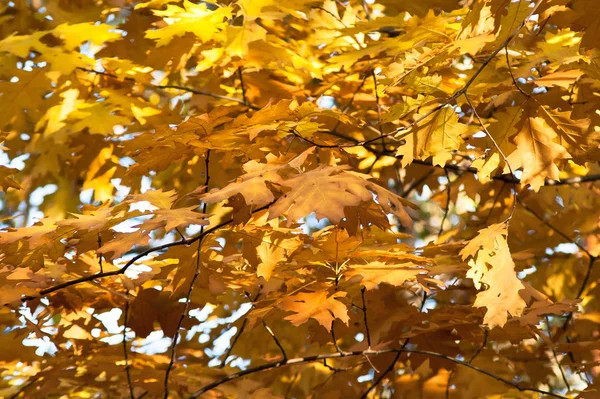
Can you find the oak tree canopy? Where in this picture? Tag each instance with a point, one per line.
(299, 198)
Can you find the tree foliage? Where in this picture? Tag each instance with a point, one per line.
(299, 198)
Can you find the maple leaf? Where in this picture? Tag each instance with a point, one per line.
(318, 305)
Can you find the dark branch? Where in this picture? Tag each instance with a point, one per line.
(275, 339)
(242, 86)
(177, 87)
(364, 310)
(125, 352)
(310, 359)
(190, 289)
(447, 208)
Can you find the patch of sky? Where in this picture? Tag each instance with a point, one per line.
(567, 248)
(326, 102)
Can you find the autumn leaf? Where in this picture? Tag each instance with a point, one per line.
(301, 198)
(493, 269)
(537, 153)
(318, 305)
(375, 273)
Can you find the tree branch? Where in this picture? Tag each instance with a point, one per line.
(177, 87)
(190, 289)
(310, 359)
(275, 339)
(364, 310)
(125, 352)
(447, 208)
(123, 269)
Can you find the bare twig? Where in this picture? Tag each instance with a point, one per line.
(123, 269)
(489, 135)
(100, 255)
(562, 372)
(238, 334)
(188, 296)
(393, 363)
(447, 208)
(477, 352)
(242, 86)
(177, 87)
(337, 347)
(382, 375)
(125, 351)
(310, 359)
(418, 182)
(496, 198)
(557, 231)
(364, 310)
(276, 340)
(378, 105)
(514, 80)
(180, 233)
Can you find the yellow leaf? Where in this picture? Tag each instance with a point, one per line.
(537, 153)
(485, 239)
(315, 305)
(375, 273)
(502, 295)
(193, 18)
(436, 136)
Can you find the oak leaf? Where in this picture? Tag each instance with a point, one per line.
(321, 306)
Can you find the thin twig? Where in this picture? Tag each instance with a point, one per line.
(496, 198)
(180, 233)
(477, 352)
(313, 358)
(337, 347)
(504, 157)
(379, 124)
(562, 372)
(276, 340)
(447, 208)
(125, 351)
(393, 363)
(177, 87)
(514, 80)
(557, 231)
(242, 86)
(188, 296)
(364, 310)
(586, 278)
(381, 376)
(148, 251)
(238, 334)
(100, 255)
(417, 183)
